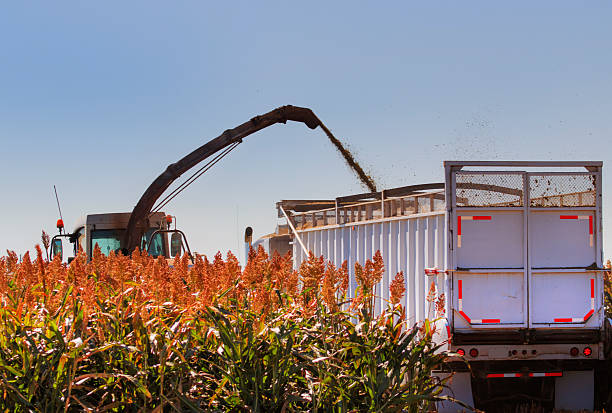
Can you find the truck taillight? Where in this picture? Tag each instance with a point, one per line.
(587, 351)
(474, 352)
(574, 351)
(461, 352)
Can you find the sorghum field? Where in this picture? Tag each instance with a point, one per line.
(135, 334)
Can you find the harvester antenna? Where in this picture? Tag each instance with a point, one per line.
(61, 220)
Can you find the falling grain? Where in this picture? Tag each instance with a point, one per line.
(350, 160)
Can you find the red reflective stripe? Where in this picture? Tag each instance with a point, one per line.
(588, 315)
(569, 217)
(502, 375)
(554, 374)
(449, 334)
(591, 224)
(458, 225)
(481, 218)
(469, 320)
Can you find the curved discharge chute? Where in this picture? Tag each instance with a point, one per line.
(227, 140)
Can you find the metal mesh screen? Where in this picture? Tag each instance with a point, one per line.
(489, 190)
(569, 190)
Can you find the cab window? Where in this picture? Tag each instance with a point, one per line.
(108, 240)
(155, 246)
(80, 241)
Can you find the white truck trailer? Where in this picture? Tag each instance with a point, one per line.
(515, 249)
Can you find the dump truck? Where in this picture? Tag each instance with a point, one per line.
(505, 257)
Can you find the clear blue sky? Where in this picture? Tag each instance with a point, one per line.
(99, 97)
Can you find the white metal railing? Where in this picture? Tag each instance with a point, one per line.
(431, 201)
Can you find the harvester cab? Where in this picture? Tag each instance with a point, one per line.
(107, 231)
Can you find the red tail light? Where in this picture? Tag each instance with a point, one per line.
(574, 351)
(461, 352)
(587, 351)
(474, 352)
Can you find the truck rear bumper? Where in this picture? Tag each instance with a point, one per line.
(530, 352)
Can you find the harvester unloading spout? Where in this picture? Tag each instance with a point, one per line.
(230, 137)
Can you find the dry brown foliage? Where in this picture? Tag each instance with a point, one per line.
(192, 285)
